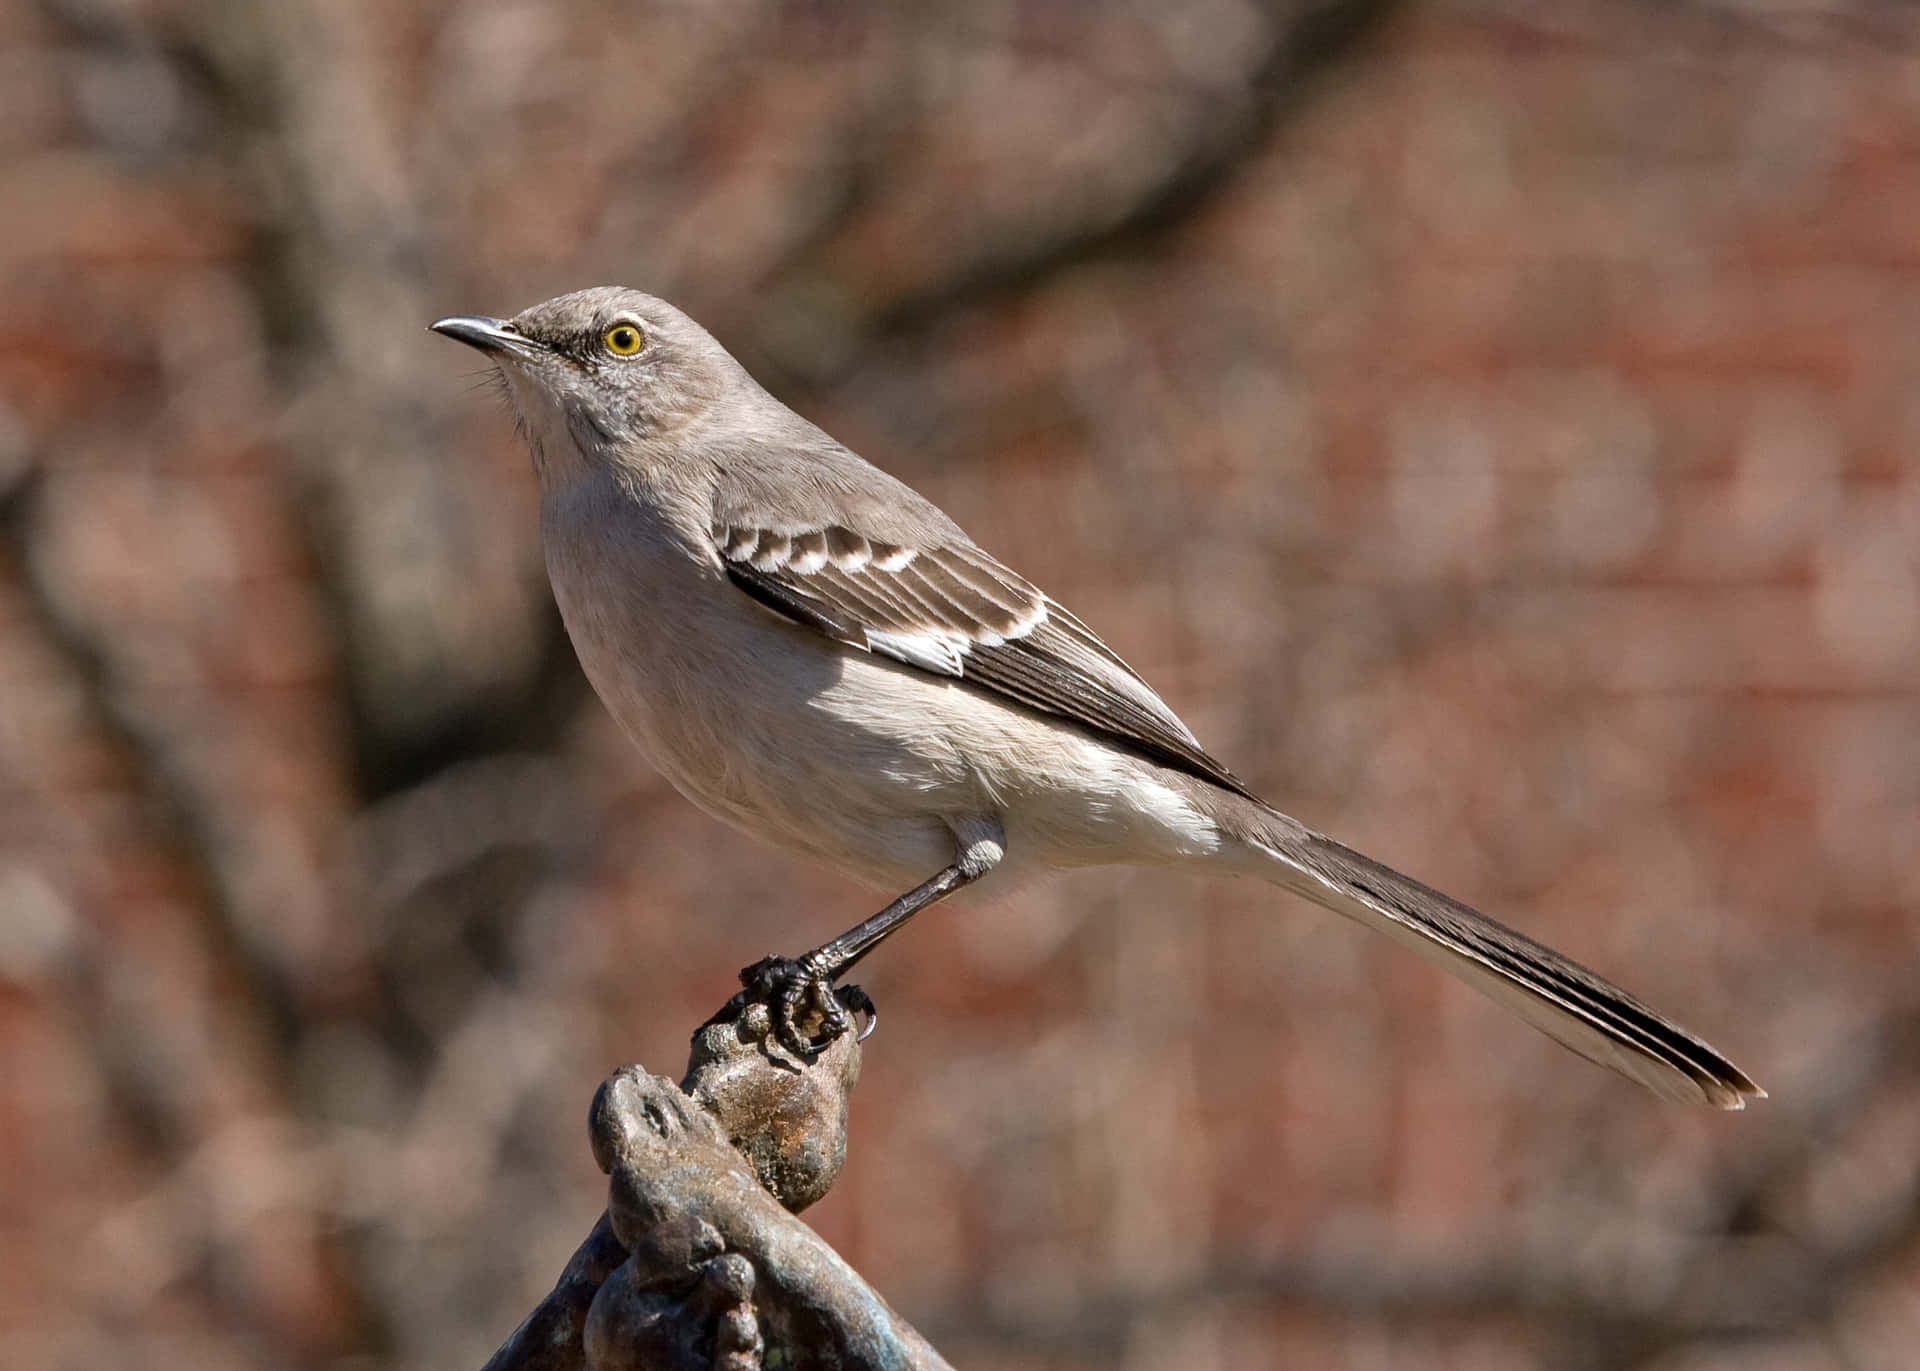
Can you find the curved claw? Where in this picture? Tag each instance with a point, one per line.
(793, 989)
(859, 1002)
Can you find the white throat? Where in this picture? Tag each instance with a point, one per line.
(557, 458)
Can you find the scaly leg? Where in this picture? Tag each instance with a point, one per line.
(787, 984)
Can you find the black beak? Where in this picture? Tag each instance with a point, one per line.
(488, 335)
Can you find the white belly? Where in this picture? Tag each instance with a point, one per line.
(864, 764)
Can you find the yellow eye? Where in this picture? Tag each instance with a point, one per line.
(622, 340)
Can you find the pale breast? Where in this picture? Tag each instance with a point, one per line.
(748, 716)
(861, 762)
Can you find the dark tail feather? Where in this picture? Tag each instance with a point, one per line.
(1561, 998)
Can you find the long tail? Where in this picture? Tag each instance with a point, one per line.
(1564, 1000)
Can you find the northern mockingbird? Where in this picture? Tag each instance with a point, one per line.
(811, 651)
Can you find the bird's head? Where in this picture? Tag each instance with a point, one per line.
(606, 372)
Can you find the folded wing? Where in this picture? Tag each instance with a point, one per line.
(947, 607)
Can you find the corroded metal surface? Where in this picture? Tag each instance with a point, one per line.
(699, 1260)
(787, 1117)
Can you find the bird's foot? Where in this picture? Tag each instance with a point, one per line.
(796, 990)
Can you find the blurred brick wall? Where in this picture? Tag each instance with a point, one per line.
(1508, 470)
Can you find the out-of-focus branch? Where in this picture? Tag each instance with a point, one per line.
(699, 1260)
(183, 817)
(1723, 1286)
(439, 631)
(1305, 42)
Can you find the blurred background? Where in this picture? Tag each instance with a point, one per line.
(1492, 425)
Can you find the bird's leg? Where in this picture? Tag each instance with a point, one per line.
(786, 985)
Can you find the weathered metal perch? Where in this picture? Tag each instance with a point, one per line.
(699, 1261)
